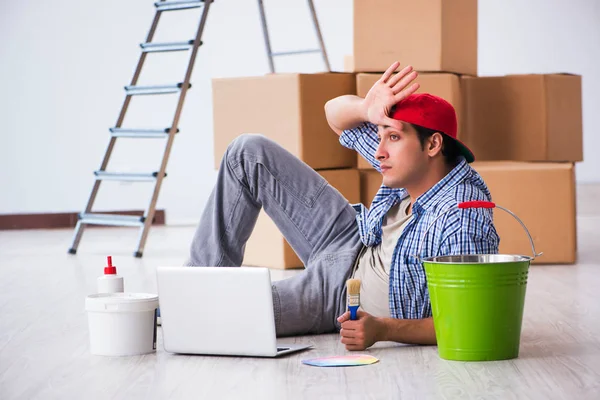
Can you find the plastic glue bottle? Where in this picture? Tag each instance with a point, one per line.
(110, 282)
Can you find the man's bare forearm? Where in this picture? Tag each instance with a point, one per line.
(345, 112)
(411, 331)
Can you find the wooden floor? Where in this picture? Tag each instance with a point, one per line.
(44, 351)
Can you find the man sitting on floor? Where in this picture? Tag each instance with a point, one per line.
(411, 139)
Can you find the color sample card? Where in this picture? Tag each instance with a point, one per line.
(342, 361)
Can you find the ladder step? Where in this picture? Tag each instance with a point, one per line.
(111, 219)
(289, 53)
(177, 5)
(161, 89)
(140, 133)
(164, 47)
(126, 176)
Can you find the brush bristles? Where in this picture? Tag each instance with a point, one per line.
(353, 286)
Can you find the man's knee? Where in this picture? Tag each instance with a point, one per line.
(247, 144)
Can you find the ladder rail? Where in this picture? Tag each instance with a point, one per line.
(315, 20)
(134, 80)
(125, 106)
(265, 30)
(149, 214)
(267, 40)
(79, 228)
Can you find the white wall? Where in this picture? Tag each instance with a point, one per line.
(63, 65)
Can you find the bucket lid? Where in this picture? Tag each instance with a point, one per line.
(121, 302)
(478, 259)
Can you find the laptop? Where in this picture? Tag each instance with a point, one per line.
(219, 311)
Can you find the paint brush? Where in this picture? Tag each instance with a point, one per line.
(353, 297)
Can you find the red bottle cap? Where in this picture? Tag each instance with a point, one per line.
(110, 270)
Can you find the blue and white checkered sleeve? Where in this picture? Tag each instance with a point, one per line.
(470, 231)
(364, 140)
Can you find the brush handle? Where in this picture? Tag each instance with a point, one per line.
(353, 311)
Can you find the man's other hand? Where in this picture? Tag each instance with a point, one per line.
(361, 333)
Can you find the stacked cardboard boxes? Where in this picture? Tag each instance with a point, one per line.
(525, 130)
(289, 109)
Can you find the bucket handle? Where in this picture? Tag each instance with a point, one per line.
(479, 204)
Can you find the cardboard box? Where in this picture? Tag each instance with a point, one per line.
(287, 108)
(370, 182)
(430, 35)
(444, 85)
(542, 195)
(268, 248)
(523, 117)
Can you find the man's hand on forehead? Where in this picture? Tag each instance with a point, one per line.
(386, 92)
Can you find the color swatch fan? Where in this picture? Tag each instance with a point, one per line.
(342, 361)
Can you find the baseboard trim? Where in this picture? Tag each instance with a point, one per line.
(61, 220)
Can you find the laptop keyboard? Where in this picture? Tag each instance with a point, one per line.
(282, 348)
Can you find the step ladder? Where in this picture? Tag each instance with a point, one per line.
(271, 54)
(145, 221)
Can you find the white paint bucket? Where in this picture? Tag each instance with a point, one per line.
(122, 324)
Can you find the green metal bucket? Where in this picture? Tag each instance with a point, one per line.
(477, 301)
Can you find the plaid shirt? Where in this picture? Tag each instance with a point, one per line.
(460, 231)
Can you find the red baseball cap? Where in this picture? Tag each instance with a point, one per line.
(431, 112)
